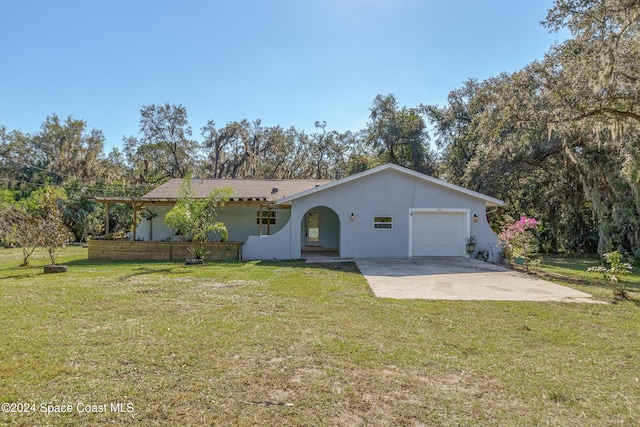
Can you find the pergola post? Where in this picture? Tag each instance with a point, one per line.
(268, 220)
(135, 220)
(151, 228)
(106, 219)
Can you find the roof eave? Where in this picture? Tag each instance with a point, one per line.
(155, 200)
(490, 201)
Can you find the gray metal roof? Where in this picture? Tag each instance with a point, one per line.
(243, 189)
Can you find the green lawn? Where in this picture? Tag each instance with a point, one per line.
(572, 271)
(221, 344)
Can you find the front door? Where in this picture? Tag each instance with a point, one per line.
(313, 236)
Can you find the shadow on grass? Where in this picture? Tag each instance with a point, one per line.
(349, 267)
(120, 263)
(572, 261)
(25, 271)
(141, 267)
(578, 265)
(21, 276)
(600, 285)
(147, 267)
(128, 269)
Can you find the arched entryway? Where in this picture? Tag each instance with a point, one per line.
(320, 231)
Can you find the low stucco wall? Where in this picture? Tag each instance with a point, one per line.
(276, 246)
(132, 250)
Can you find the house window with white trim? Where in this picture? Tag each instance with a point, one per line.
(383, 222)
(268, 217)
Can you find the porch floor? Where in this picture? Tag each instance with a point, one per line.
(323, 256)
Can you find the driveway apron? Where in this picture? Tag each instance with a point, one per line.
(451, 278)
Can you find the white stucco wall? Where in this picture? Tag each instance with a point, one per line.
(275, 246)
(239, 220)
(385, 193)
(160, 230)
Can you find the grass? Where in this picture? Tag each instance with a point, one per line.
(283, 343)
(572, 271)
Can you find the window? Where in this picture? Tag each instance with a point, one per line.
(383, 222)
(268, 217)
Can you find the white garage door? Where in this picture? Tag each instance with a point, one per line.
(438, 234)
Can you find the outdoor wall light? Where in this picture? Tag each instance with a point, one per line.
(352, 217)
(475, 218)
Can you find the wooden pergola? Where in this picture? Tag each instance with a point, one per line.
(140, 203)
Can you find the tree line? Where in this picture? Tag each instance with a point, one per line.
(64, 151)
(66, 154)
(557, 140)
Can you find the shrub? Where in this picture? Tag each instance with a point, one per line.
(520, 241)
(612, 274)
(194, 218)
(53, 234)
(17, 226)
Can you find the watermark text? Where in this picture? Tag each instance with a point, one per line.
(67, 408)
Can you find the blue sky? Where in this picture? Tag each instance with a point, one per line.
(286, 62)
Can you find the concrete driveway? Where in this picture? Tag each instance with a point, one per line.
(450, 278)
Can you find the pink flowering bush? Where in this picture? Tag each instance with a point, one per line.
(520, 241)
